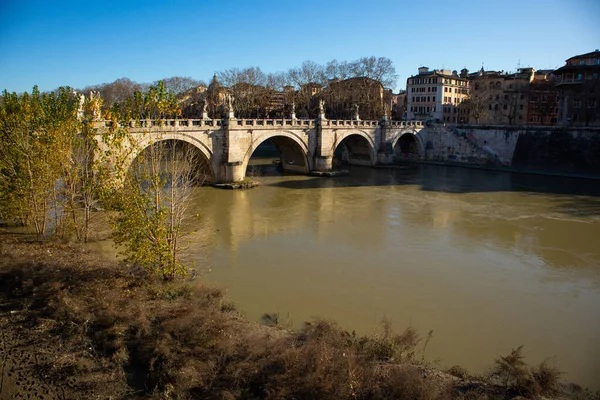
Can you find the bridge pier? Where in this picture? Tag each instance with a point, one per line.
(234, 172)
(323, 163)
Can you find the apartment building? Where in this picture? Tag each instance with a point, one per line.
(437, 95)
(579, 90)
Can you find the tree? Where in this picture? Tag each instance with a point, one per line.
(278, 81)
(152, 193)
(152, 205)
(338, 70)
(380, 69)
(37, 136)
(249, 75)
(478, 102)
(116, 92)
(179, 84)
(308, 72)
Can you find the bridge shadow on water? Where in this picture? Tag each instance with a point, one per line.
(575, 196)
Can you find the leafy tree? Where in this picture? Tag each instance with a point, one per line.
(37, 133)
(151, 193)
(152, 204)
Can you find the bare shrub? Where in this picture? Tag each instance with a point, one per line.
(386, 345)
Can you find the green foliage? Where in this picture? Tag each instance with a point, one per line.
(40, 147)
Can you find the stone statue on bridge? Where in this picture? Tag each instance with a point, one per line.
(355, 115)
(322, 107)
(96, 103)
(80, 107)
(205, 109)
(229, 106)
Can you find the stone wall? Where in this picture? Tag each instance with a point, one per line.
(536, 149)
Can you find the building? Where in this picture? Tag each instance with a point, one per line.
(499, 98)
(579, 90)
(399, 102)
(437, 95)
(542, 100)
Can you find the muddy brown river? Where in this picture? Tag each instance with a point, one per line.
(487, 260)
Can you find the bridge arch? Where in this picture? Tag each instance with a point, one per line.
(408, 144)
(149, 140)
(293, 150)
(358, 147)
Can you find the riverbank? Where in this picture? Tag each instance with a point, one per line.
(76, 325)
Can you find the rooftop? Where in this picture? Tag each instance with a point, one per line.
(595, 53)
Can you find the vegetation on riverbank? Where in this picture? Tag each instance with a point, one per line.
(74, 325)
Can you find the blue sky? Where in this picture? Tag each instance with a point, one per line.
(80, 43)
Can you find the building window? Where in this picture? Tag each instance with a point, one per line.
(505, 107)
(579, 77)
(581, 62)
(490, 106)
(577, 103)
(520, 106)
(433, 99)
(496, 107)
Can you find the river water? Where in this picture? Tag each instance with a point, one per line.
(487, 260)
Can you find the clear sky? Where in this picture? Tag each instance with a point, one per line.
(84, 42)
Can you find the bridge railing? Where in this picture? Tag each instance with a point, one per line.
(216, 123)
(275, 122)
(164, 123)
(406, 124)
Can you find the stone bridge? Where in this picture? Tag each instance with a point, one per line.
(305, 146)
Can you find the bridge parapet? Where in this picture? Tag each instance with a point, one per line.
(194, 124)
(348, 122)
(162, 124)
(406, 124)
(272, 123)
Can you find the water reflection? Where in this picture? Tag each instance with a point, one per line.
(488, 260)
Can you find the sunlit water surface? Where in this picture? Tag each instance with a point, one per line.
(489, 261)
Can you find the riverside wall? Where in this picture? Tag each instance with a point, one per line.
(553, 150)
